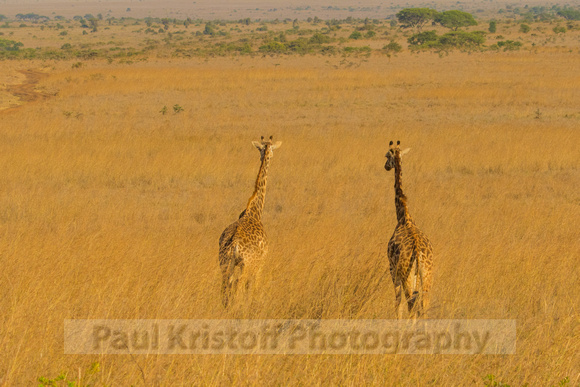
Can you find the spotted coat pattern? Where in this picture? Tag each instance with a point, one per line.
(243, 244)
(409, 250)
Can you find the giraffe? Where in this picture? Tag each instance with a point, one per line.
(410, 252)
(243, 244)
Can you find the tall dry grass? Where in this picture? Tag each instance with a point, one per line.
(109, 209)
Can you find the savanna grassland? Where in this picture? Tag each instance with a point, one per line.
(116, 185)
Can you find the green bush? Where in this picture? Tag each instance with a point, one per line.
(318, 38)
(355, 35)
(509, 45)
(454, 39)
(364, 49)
(492, 27)
(462, 39)
(524, 28)
(10, 45)
(393, 47)
(299, 46)
(559, 29)
(423, 38)
(273, 47)
(570, 14)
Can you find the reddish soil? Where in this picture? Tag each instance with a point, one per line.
(26, 92)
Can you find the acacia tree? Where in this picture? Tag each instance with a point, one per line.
(455, 19)
(415, 17)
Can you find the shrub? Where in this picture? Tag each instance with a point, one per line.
(355, 35)
(524, 28)
(10, 45)
(423, 38)
(462, 39)
(509, 45)
(457, 39)
(559, 29)
(273, 47)
(492, 27)
(393, 47)
(299, 45)
(570, 14)
(318, 38)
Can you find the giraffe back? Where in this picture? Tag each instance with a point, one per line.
(410, 250)
(243, 241)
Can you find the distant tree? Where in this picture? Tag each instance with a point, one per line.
(94, 23)
(492, 27)
(422, 38)
(415, 17)
(524, 28)
(559, 29)
(462, 39)
(393, 47)
(209, 30)
(455, 19)
(9, 45)
(570, 14)
(319, 38)
(2, 17)
(355, 35)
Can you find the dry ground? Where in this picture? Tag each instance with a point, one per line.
(110, 209)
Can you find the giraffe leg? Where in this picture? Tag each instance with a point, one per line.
(425, 289)
(226, 284)
(413, 296)
(398, 296)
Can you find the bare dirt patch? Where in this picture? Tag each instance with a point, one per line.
(17, 94)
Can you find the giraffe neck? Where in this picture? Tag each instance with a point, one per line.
(400, 198)
(256, 202)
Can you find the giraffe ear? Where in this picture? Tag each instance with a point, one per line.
(277, 145)
(257, 145)
(405, 151)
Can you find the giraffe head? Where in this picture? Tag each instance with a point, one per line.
(392, 154)
(266, 147)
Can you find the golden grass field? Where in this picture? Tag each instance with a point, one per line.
(111, 210)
